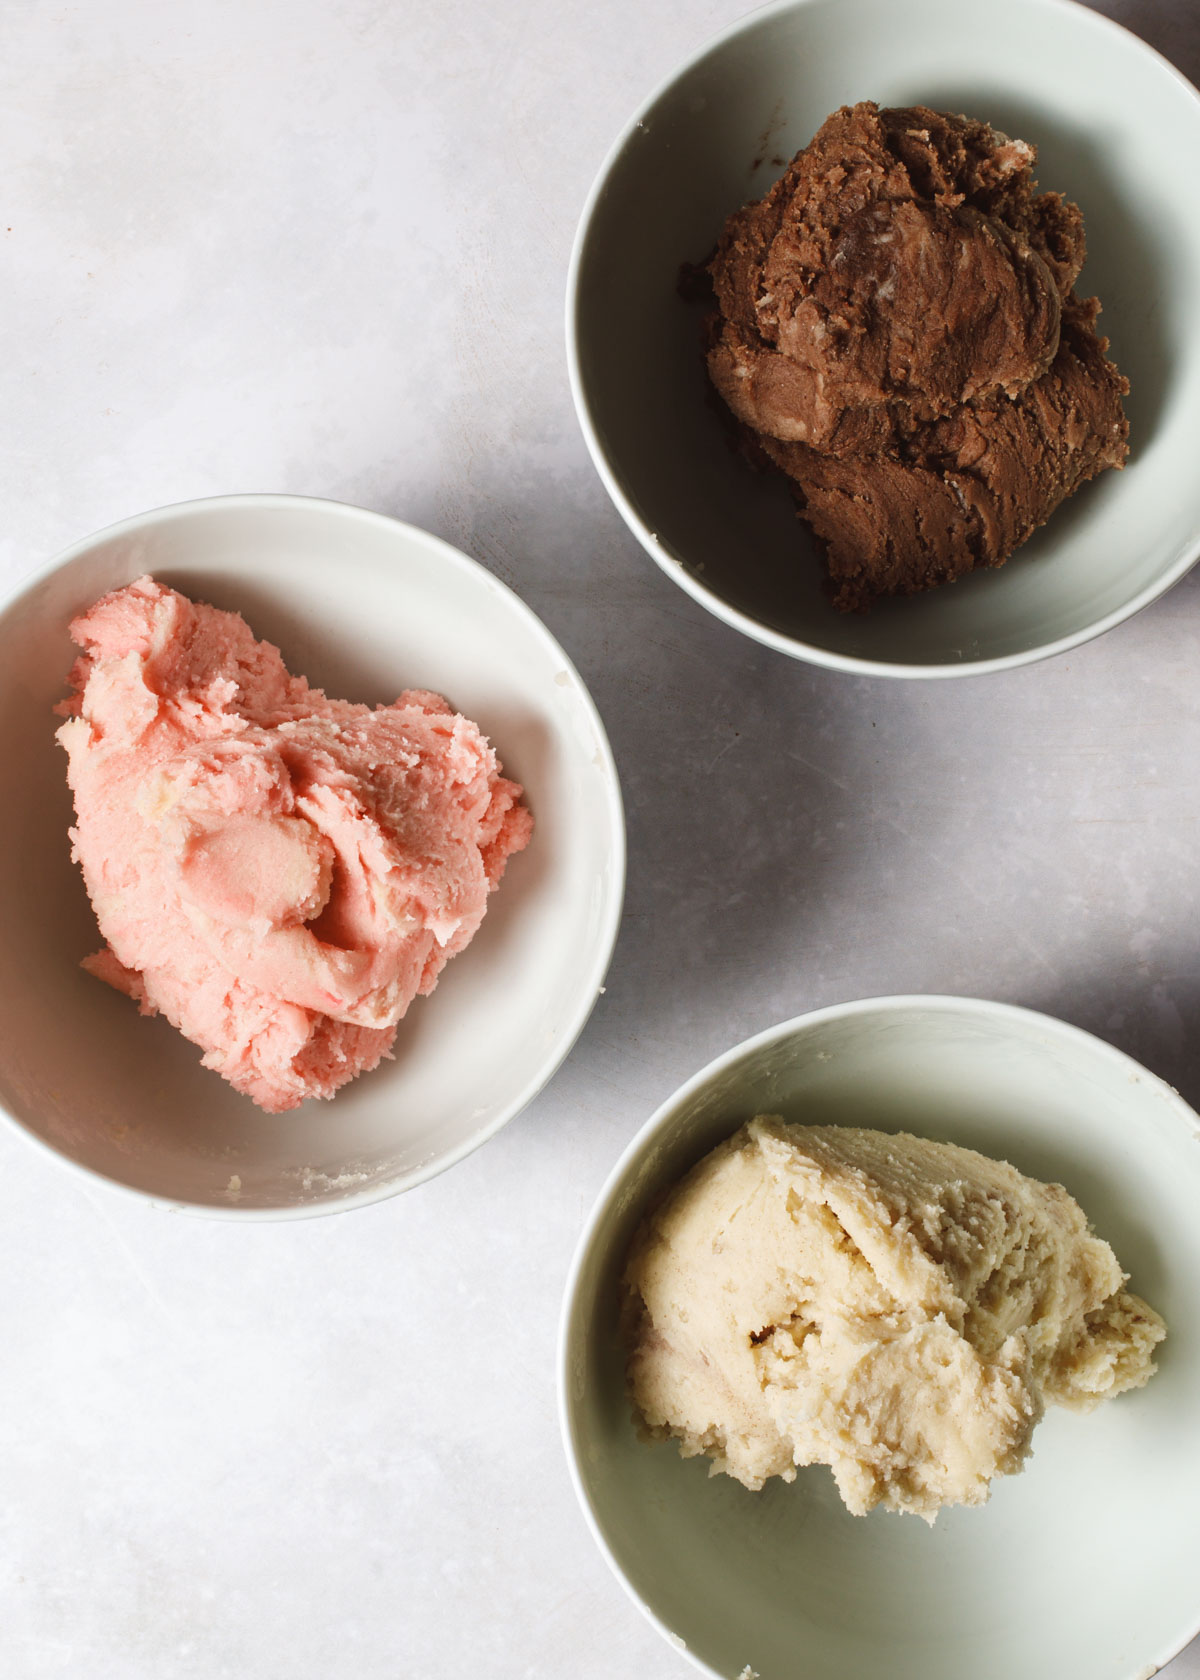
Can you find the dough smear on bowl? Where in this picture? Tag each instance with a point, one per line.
(278, 873)
(896, 328)
(900, 1310)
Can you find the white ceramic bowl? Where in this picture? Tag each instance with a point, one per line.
(365, 607)
(1118, 130)
(1083, 1567)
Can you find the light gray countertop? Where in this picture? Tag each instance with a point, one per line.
(320, 246)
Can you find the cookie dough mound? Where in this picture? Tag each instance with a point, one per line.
(900, 1310)
(896, 329)
(277, 872)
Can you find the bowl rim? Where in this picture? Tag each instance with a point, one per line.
(593, 980)
(899, 1004)
(673, 564)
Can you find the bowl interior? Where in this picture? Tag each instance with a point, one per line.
(787, 1581)
(364, 607)
(1116, 129)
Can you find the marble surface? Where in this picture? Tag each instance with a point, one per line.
(319, 246)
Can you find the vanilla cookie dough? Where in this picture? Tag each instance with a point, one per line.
(898, 1309)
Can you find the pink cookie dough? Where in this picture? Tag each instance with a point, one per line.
(276, 872)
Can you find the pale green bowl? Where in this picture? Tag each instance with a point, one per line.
(1081, 1568)
(1118, 130)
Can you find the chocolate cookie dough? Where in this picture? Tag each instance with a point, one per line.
(896, 329)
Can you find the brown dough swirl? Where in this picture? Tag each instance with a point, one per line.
(896, 329)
